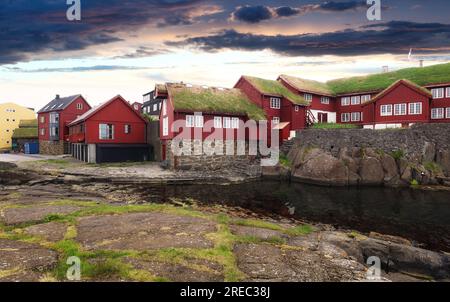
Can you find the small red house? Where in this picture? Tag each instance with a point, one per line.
(285, 110)
(53, 119)
(111, 132)
(199, 113)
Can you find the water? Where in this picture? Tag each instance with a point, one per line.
(421, 216)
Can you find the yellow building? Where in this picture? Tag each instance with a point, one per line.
(10, 117)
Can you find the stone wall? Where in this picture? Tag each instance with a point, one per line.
(53, 147)
(220, 157)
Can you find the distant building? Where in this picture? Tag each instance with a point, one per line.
(53, 119)
(153, 102)
(10, 117)
(26, 133)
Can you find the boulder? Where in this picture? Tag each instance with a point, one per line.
(428, 152)
(390, 168)
(371, 171)
(443, 160)
(321, 167)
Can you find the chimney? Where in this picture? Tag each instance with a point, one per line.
(421, 63)
(385, 69)
(57, 96)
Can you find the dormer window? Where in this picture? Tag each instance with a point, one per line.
(79, 106)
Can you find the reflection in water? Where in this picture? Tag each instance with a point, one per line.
(423, 216)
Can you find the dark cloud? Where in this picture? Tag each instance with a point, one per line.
(395, 37)
(142, 52)
(256, 14)
(33, 27)
(252, 14)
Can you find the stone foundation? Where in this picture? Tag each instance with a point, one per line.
(53, 147)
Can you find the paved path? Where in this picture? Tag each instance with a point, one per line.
(14, 158)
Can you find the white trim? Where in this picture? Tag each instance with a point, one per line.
(325, 100)
(415, 108)
(400, 109)
(356, 116)
(355, 100)
(190, 121)
(447, 115)
(345, 117)
(365, 98)
(275, 103)
(226, 123)
(447, 92)
(275, 120)
(437, 113)
(438, 93)
(297, 108)
(199, 121)
(332, 116)
(218, 122)
(345, 101)
(385, 110)
(166, 126)
(234, 123)
(308, 97)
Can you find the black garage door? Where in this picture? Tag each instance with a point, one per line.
(122, 153)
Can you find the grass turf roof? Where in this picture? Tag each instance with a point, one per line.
(213, 100)
(28, 123)
(422, 76)
(270, 87)
(308, 85)
(25, 133)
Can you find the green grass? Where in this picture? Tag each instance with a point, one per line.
(398, 154)
(308, 85)
(276, 88)
(28, 123)
(59, 162)
(334, 126)
(376, 82)
(25, 133)
(213, 100)
(433, 167)
(284, 161)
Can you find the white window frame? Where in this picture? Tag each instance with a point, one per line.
(415, 108)
(345, 101)
(387, 111)
(127, 129)
(166, 126)
(297, 108)
(325, 100)
(365, 98)
(355, 116)
(447, 92)
(164, 108)
(400, 109)
(80, 106)
(308, 97)
(355, 100)
(199, 121)
(345, 117)
(101, 130)
(190, 121)
(155, 107)
(226, 123)
(275, 120)
(438, 93)
(275, 103)
(234, 123)
(437, 113)
(42, 119)
(447, 112)
(42, 131)
(218, 122)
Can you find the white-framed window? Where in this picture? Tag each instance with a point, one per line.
(80, 106)
(190, 121)
(400, 109)
(217, 122)
(275, 120)
(365, 98)
(415, 108)
(164, 107)
(297, 108)
(345, 117)
(42, 131)
(356, 100)
(275, 103)
(447, 93)
(438, 93)
(447, 112)
(345, 101)
(42, 119)
(325, 100)
(226, 123)
(437, 113)
(106, 131)
(166, 126)
(127, 129)
(234, 123)
(386, 110)
(199, 121)
(308, 97)
(356, 116)
(155, 107)
(54, 118)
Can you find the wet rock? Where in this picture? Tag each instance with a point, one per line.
(13, 216)
(371, 171)
(52, 231)
(144, 231)
(390, 238)
(390, 169)
(276, 172)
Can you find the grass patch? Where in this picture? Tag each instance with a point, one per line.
(433, 167)
(300, 230)
(334, 126)
(284, 161)
(398, 154)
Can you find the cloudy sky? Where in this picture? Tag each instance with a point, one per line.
(126, 46)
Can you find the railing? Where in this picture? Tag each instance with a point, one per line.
(310, 119)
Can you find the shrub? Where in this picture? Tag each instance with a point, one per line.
(398, 154)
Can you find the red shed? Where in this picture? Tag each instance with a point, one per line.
(113, 131)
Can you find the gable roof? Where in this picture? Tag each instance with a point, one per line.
(419, 89)
(305, 85)
(275, 88)
(192, 98)
(58, 103)
(97, 108)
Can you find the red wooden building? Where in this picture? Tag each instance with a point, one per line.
(53, 121)
(111, 132)
(285, 110)
(199, 113)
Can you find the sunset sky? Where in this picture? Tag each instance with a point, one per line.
(126, 46)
